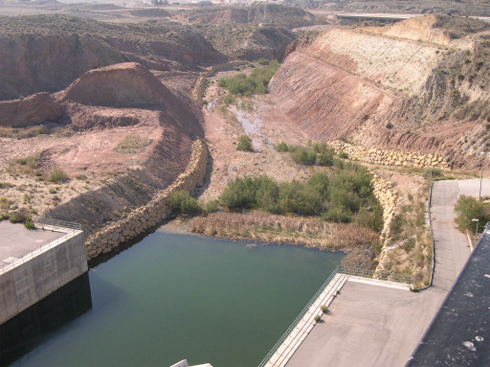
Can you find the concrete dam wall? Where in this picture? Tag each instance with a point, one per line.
(41, 272)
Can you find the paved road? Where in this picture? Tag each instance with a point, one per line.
(452, 248)
(368, 325)
(375, 326)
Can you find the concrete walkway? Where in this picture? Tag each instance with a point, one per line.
(370, 325)
(301, 330)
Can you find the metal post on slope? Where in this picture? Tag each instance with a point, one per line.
(476, 220)
(481, 174)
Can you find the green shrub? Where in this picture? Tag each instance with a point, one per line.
(240, 193)
(81, 177)
(29, 224)
(320, 183)
(264, 61)
(468, 208)
(182, 202)
(295, 197)
(4, 203)
(337, 214)
(245, 144)
(281, 147)
(343, 155)
(256, 83)
(229, 99)
(325, 159)
(57, 175)
(20, 216)
(339, 163)
(318, 318)
(212, 206)
(304, 156)
(342, 196)
(324, 309)
(133, 144)
(435, 172)
(389, 125)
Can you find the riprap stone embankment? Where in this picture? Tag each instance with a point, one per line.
(154, 212)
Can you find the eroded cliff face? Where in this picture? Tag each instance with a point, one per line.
(418, 85)
(46, 53)
(100, 111)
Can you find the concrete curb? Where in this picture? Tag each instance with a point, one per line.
(293, 341)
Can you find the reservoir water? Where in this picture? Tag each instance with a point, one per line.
(172, 297)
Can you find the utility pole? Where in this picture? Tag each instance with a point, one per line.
(481, 174)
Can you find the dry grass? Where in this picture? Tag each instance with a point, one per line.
(270, 228)
(132, 144)
(413, 255)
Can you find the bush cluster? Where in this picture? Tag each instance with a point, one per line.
(182, 202)
(256, 83)
(468, 208)
(245, 144)
(342, 196)
(319, 154)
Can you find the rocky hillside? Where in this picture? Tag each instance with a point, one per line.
(456, 7)
(46, 53)
(248, 42)
(121, 122)
(289, 17)
(420, 85)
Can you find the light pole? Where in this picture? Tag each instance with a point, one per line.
(481, 174)
(476, 220)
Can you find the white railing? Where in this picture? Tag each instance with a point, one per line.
(68, 230)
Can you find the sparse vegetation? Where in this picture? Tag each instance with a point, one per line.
(468, 208)
(281, 147)
(133, 144)
(245, 144)
(256, 83)
(57, 175)
(342, 197)
(182, 202)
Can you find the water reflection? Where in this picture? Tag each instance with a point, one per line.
(32, 327)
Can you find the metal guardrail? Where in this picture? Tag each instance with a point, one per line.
(298, 319)
(58, 223)
(364, 273)
(72, 230)
(433, 260)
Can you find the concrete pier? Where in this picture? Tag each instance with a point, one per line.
(41, 269)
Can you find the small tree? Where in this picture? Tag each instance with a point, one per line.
(245, 144)
(182, 202)
(468, 208)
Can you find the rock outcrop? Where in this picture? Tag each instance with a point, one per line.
(120, 85)
(420, 85)
(33, 110)
(45, 53)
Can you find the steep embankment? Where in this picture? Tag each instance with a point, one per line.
(378, 87)
(130, 136)
(47, 52)
(249, 42)
(284, 16)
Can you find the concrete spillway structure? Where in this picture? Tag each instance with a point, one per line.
(27, 278)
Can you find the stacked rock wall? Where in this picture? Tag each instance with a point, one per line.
(386, 157)
(154, 211)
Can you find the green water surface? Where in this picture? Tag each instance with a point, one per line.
(172, 297)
